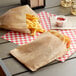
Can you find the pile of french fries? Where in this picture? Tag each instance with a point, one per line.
(33, 24)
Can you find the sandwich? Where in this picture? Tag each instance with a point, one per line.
(43, 50)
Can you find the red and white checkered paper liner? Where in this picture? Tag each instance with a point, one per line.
(22, 38)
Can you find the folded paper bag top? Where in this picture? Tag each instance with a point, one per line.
(43, 50)
(15, 19)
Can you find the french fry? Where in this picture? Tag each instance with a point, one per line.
(67, 41)
(40, 30)
(33, 32)
(31, 17)
(29, 23)
(33, 24)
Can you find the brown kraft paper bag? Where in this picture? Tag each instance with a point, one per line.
(15, 19)
(43, 50)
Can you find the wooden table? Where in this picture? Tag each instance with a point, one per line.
(16, 68)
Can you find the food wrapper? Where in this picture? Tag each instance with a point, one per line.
(43, 50)
(15, 19)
